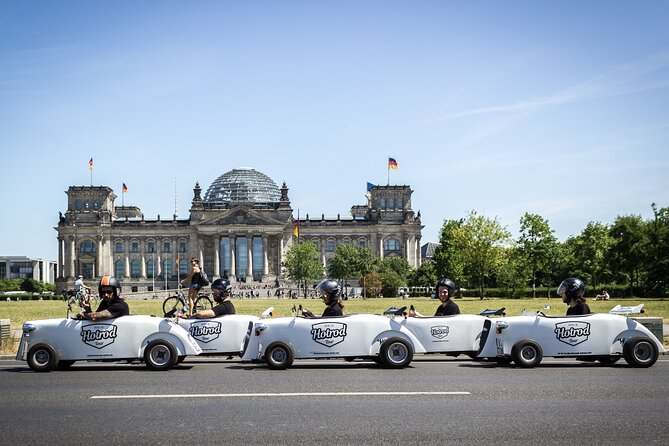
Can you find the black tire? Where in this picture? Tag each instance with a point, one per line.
(527, 354)
(172, 304)
(278, 356)
(160, 355)
(608, 360)
(203, 303)
(640, 352)
(63, 364)
(503, 360)
(42, 358)
(396, 353)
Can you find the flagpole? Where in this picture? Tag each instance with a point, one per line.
(388, 184)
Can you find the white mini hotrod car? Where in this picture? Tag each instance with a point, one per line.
(220, 335)
(160, 343)
(390, 341)
(605, 338)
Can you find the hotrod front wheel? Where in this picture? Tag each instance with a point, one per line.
(42, 358)
(396, 353)
(640, 352)
(527, 354)
(278, 356)
(160, 355)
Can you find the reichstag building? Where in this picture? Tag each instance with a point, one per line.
(241, 229)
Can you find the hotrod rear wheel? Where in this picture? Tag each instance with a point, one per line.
(42, 358)
(640, 352)
(160, 355)
(396, 353)
(278, 356)
(527, 354)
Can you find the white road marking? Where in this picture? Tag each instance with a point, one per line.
(288, 394)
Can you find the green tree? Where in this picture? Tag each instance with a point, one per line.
(303, 264)
(351, 263)
(481, 241)
(537, 246)
(628, 245)
(588, 252)
(447, 258)
(511, 271)
(371, 284)
(657, 258)
(423, 276)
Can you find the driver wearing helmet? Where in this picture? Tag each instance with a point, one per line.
(329, 291)
(572, 290)
(445, 288)
(111, 306)
(221, 290)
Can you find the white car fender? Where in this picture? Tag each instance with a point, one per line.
(396, 331)
(177, 336)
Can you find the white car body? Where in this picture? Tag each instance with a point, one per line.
(278, 341)
(391, 341)
(602, 337)
(50, 343)
(222, 335)
(452, 335)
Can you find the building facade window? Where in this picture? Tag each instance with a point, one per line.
(119, 268)
(87, 246)
(182, 246)
(134, 247)
(135, 269)
(87, 270)
(258, 258)
(167, 269)
(330, 246)
(225, 257)
(183, 267)
(150, 269)
(391, 246)
(242, 256)
(167, 247)
(150, 247)
(118, 247)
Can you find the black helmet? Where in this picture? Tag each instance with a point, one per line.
(448, 283)
(110, 281)
(222, 285)
(572, 288)
(330, 288)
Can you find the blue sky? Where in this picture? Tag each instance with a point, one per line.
(555, 108)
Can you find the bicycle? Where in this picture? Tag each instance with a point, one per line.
(174, 304)
(81, 298)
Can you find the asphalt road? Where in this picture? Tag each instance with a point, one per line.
(215, 401)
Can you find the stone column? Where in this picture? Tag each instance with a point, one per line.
(99, 261)
(61, 259)
(265, 262)
(233, 256)
(381, 253)
(217, 258)
(73, 257)
(249, 257)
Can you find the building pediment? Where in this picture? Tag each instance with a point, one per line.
(241, 216)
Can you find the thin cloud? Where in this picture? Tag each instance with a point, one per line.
(625, 79)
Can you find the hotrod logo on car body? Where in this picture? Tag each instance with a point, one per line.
(205, 331)
(98, 335)
(439, 332)
(328, 334)
(572, 333)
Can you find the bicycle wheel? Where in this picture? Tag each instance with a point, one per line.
(172, 304)
(203, 303)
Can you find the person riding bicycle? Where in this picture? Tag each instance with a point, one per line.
(195, 278)
(221, 290)
(445, 289)
(329, 291)
(572, 290)
(111, 306)
(79, 285)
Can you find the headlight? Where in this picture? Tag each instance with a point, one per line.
(27, 328)
(259, 328)
(500, 325)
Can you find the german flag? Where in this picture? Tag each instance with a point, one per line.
(392, 164)
(125, 188)
(90, 164)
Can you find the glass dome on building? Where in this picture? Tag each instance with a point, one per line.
(243, 184)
